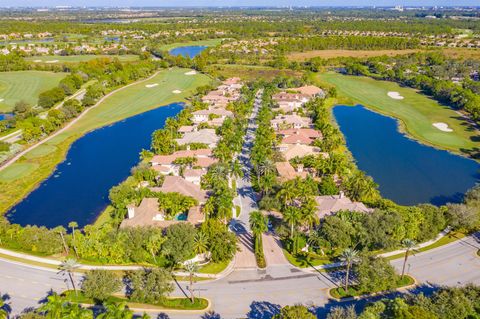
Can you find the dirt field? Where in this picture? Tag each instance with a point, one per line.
(328, 54)
(465, 53)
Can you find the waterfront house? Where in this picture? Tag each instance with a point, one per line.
(203, 116)
(290, 151)
(311, 91)
(204, 136)
(286, 171)
(177, 184)
(299, 136)
(148, 213)
(290, 121)
(165, 164)
(331, 204)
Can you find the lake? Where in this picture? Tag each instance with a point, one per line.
(407, 172)
(190, 51)
(78, 189)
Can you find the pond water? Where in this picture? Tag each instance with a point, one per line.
(407, 172)
(190, 51)
(5, 115)
(78, 189)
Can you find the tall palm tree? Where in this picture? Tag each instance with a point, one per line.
(292, 216)
(192, 269)
(73, 225)
(349, 257)
(258, 224)
(68, 267)
(62, 231)
(200, 243)
(409, 248)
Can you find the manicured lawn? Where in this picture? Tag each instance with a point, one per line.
(16, 170)
(302, 261)
(416, 112)
(354, 292)
(131, 101)
(55, 59)
(208, 43)
(169, 303)
(213, 268)
(41, 151)
(25, 85)
(250, 72)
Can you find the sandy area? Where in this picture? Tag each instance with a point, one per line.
(36, 61)
(395, 95)
(1, 100)
(52, 61)
(176, 91)
(191, 73)
(151, 85)
(442, 127)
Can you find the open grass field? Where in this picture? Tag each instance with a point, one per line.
(462, 53)
(56, 59)
(208, 43)
(416, 112)
(16, 183)
(25, 85)
(250, 72)
(328, 54)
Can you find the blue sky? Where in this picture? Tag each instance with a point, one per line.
(27, 3)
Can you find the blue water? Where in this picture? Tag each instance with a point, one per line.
(190, 51)
(78, 189)
(407, 172)
(5, 115)
(181, 216)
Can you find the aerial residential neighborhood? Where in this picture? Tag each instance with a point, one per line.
(294, 160)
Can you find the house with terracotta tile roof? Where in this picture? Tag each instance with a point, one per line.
(290, 102)
(290, 151)
(286, 171)
(299, 136)
(165, 164)
(194, 175)
(148, 213)
(177, 184)
(331, 204)
(310, 90)
(281, 122)
(204, 136)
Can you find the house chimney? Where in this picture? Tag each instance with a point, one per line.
(341, 194)
(188, 147)
(300, 168)
(131, 211)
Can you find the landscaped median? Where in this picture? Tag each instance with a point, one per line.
(167, 304)
(354, 292)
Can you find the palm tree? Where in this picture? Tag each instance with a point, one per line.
(287, 193)
(53, 307)
(73, 225)
(409, 247)
(61, 231)
(153, 245)
(315, 240)
(75, 311)
(200, 243)
(3, 312)
(68, 267)
(292, 216)
(258, 224)
(192, 269)
(349, 257)
(115, 311)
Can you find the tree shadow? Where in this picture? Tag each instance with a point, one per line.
(211, 315)
(6, 305)
(263, 310)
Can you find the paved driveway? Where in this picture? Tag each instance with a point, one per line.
(273, 250)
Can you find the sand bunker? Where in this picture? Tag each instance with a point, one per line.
(442, 127)
(1, 100)
(151, 85)
(191, 73)
(395, 95)
(36, 61)
(176, 91)
(52, 61)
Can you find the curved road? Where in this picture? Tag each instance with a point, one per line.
(245, 290)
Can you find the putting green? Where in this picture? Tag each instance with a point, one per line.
(416, 112)
(16, 171)
(25, 85)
